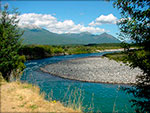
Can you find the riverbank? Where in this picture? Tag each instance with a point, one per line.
(94, 69)
(31, 52)
(23, 97)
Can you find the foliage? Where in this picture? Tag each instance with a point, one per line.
(135, 24)
(58, 49)
(32, 51)
(10, 62)
(80, 49)
(117, 56)
(36, 51)
(126, 46)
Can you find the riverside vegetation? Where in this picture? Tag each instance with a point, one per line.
(32, 51)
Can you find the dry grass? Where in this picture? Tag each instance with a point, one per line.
(23, 97)
(2, 81)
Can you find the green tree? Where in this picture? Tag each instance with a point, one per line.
(11, 64)
(135, 23)
(125, 45)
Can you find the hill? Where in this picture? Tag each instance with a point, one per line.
(45, 37)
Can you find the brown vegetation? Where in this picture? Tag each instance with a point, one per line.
(23, 97)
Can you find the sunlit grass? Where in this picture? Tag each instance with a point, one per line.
(24, 97)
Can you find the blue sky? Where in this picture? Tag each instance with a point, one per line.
(70, 15)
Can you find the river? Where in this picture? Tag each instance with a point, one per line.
(94, 97)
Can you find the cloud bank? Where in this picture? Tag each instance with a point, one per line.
(51, 23)
(108, 19)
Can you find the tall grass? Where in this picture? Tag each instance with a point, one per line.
(75, 100)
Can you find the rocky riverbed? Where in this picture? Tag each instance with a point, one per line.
(94, 69)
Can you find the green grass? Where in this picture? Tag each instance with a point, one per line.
(33, 107)
(117, 56)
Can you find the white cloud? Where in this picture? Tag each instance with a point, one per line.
(33, 20)
(108, 19)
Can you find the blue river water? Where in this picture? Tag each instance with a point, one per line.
(95, 97)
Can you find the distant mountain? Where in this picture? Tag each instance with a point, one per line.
(43, 36)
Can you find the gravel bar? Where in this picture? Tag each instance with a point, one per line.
(94, 69)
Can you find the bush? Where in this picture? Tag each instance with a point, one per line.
(11, 63)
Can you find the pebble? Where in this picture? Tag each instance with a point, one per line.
(94, 69)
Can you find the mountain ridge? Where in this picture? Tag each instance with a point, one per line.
(45, 37)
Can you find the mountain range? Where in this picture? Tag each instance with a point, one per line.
(45, 37)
